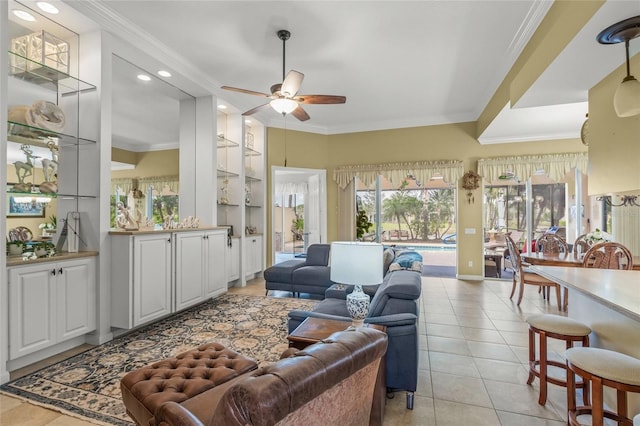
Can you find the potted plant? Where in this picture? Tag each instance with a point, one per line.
(42, 249)
(15, 247)
(362, 224)
(49, 228)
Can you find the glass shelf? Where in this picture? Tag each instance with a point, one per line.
(250, 152)
(228, 205)
(44, 76)
(252, 179)
(226, 173)
(226, 143)
(22, 133)
(49, 195)
(252, 206)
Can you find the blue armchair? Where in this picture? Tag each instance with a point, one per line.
(395, 306)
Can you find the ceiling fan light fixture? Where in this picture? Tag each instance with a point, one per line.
(283, 105)
(626, 100)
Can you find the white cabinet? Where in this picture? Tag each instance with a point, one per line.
(233, 259)
(49, 303)
(253, 255)
(215, 263)
(141, 279)
(156, 274)
(200, 266)
(190, 268)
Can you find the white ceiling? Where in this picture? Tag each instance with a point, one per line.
(399, 63)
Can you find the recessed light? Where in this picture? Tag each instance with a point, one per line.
(47, 7)
(163, 73)
(144, 77)
(24, 15)
(222, 106)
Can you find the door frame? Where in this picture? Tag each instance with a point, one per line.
(322, 175)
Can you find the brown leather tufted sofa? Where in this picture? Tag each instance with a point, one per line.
(328, 383)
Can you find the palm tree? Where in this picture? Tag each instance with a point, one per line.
(440, 207)
(401, 206)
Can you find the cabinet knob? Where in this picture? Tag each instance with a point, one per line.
(60, 271)
(53, 272)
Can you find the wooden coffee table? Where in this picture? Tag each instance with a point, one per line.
(313, 330)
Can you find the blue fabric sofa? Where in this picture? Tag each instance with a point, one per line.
(394, 305)
(309, 275)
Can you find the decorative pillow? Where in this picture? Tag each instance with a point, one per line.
(407, 260)
(387, 258)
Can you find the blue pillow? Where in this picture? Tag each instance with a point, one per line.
(409, 260)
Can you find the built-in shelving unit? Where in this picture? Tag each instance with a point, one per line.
(51, 133)
(240, 188)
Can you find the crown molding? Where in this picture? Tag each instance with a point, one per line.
(121, 27)
(536, 14)
(533, 138)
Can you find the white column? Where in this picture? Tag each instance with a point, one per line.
(4, 304)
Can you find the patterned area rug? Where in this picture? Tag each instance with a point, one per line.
(88, 384)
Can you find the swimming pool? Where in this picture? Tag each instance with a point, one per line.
(428, 248)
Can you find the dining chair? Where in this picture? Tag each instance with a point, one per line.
(522, 276)
(551, 244)
(580, 246)
(608, 255)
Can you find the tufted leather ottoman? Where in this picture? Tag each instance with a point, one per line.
(180, 378)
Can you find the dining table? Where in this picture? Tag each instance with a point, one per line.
(561, 259)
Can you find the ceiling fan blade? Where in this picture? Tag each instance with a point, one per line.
(320, 99)
(248, 92)
(291, 83)
(300, 114)
(256, 109)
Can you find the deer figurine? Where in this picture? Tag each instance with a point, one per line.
(24, 169)
(50, 167)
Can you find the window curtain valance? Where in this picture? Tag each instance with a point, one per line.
(143, 184)
(292, 188)
(556, 166)
(395, 173)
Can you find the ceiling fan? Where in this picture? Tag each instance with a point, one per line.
(284, 97)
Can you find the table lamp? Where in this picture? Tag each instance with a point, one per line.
(358, 264)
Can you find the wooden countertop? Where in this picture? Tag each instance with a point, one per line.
(167, 231)
(619, 290)
(18, 260)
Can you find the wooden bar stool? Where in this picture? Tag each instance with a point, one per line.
(601, 367)
(556, 327)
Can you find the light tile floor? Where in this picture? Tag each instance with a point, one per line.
(472, 367)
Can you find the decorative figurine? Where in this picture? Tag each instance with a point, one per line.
(24, 169)
(50, 170)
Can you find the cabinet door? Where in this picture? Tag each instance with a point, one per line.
(151, 277)
(76, 295)
(215, 263)
(233, 260)
(32, 310)
(190, 268)
(254, 255)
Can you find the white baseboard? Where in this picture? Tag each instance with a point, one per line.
(470, 277)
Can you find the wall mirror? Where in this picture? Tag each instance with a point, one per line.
(148, 122)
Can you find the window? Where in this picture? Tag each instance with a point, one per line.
(410, 211)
